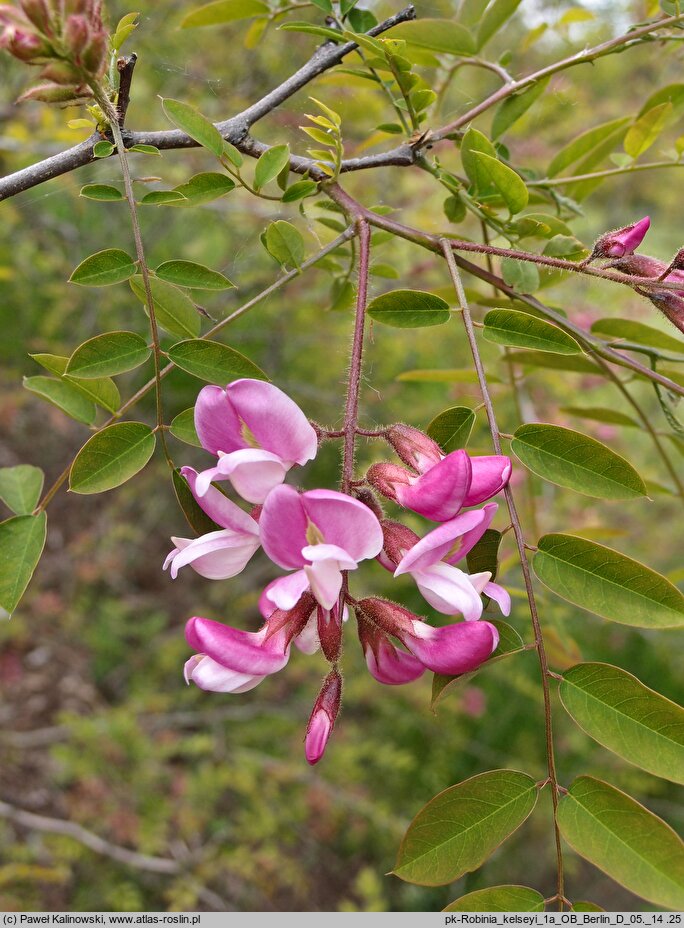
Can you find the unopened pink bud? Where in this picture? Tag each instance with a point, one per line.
(389, 616)
(76, 35)
(397, 540)
(671, 305)
(621, 242)
(385, 478)
(27, 46)
(37, 12)
(639, 266)
(330, 632)
(368, 498)
(323, 717)
(415, 448)
(94, 56)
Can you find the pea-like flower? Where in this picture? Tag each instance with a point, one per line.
(431, 562)
(221, 554)
(230, 660)
(440, 484)
(257, 432)
(318, 534)
(452, 649)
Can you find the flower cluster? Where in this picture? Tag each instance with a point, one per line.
(66, 39)
(257, 434)
(620, 246)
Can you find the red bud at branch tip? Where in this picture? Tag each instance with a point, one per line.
(323, 717)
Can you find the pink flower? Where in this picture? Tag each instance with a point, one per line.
(221, 554)
(451, 649)
(258, 434)
(323, 717)
(621, 242)
(317, 534)
(431, 564)
(444, 483)
(233, 661)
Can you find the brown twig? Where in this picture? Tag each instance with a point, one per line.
(125, 68)
(60, 826)
(235, 130)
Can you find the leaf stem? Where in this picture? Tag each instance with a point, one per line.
(520, 542)
(112, 115)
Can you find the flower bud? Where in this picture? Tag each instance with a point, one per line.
(389, 616)
(61, 72)
(415, 448)
(323, 717)
(677, 263)
(397, 539)
(94, 56)
(38, 13)
(639, 266)
(368, 498)
(54, 93)
(385, 478)
(670, 304)
(27, 46)
(76, 35)
(621, 242)
(330, 632)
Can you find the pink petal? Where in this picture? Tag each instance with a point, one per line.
(234, 649)
(283, 593)
(439, 493)
(219, 508)
(453, 649)
(204, 479)
(490, 476)
(345, 522)
(217, 425)
(325, 580)
(275, 421)
(325, 552)
(307, 640)
(448, 590)
(500, 596)
(207, 674)
(444, 540)
(252, 472)
(391, 666)
(216, 555)
(622, 241)
(471, 538)
(317, 735)
(283, 525)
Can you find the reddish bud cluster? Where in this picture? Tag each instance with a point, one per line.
(67, 40)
